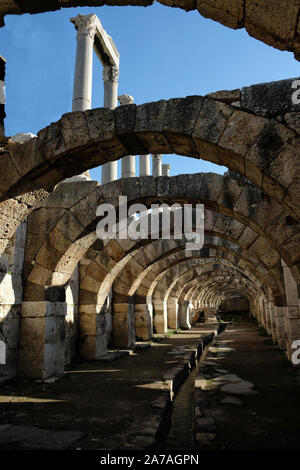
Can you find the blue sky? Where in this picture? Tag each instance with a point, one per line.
(164, 53)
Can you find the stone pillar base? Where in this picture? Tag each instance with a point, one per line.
(92, 324)
(184, 315)
(123, 325)
(143, 322)
(172, 312)
(280, 327)
(160, 317)
(42, 339)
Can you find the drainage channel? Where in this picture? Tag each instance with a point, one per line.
(181, 435)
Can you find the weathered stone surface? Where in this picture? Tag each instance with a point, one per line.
(212, 121)
(241, 132)
(51, 142)
(272, 21)
(101, 127)
(186, 5)
(27, 156)
(179, 122)
(293, 121)
(269, 143)
(149, 125)
(7, 167)
(271, 99)
(125, 117)
(228, 12)
(227, 96)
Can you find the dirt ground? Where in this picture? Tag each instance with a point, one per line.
(267, 419)
(100, 404)
(95, 405)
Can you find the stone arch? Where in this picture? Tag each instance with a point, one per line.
(193, 126)
(163, 290)
(274, 23)
(81, 231)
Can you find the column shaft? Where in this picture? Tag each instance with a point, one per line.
(110, 77)
(145, 165)
(128, 166)
(157, 165)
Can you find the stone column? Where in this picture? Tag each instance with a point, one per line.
(172, 312)
(280, 327)
(160, 319)
(83, 76)
(128, 162)
(166, 169)
(143, 322)
(184, 314)
(110, 78)
(123, 325)
(156, 165)
(82, 91)
(145, 165)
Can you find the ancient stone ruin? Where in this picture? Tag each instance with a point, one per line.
(66, 294)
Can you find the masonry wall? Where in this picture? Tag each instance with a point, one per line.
(11, 291)
(237, 304)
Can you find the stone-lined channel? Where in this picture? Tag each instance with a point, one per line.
(181, 435)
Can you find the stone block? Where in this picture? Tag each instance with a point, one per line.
(179, 122)
(270, 99)
(27, 156)
(240, 133)
(227, 96)
(51, 142)
(125, 118)
(228, 12)
(212, 121)
(272, 21)
(9, 174)
(149, 125)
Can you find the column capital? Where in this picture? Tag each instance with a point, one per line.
(110, 73)
(85, 25)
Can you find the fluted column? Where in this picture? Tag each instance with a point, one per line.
(156, 165)
(82, 91)
(128, 162)
(83, 76)
(145, 165)
(110, 78)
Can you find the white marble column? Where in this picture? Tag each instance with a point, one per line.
(156, 164)
(166, 169)
(83, 76)
(82, 91)
(145, 165)
(110, 78)
(128, 162)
